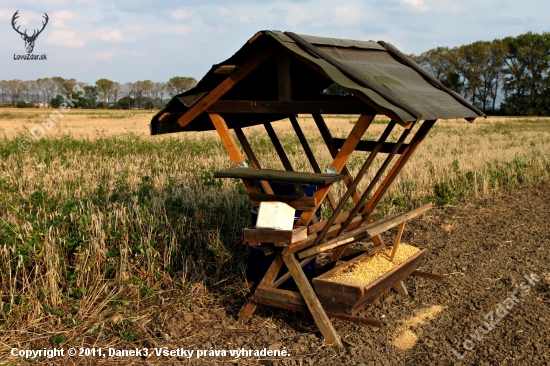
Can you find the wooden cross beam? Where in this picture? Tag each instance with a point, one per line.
(339, 163)
(353, 185)
(403, 159)
(223, 87)
(252, 157)
(361, 204)
(309, 154)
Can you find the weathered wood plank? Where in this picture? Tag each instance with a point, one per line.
(309, 154)
(387, 281)
(280, 176)
(295, 301)
(248, 309)
(225, 86)
(274, 236)
(329, 141)
(396, 169)
(401, 289)
(383, 225)
(287, 107)
(312, 302)
(284, 82)
(298, 203)
(287, 275)
(363, 145)
(339, 162)
(353, 185)
(360, 204)
(225, 69)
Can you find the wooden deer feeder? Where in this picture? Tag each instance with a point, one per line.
(276, 76)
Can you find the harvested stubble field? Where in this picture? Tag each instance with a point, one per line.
(113, 238)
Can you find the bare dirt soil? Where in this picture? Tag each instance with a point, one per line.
(484, 247)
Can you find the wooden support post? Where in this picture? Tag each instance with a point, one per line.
(327, 137)
(377, 240)
(287, 275)
(252, 157)
(282, 155)
(284, 158)
(401, 289)
(309, 154)
(361, 204)
(403, 159)
(339, 162)
(353, 185)
(283, 77)
(232, 148)
(225, 86)
(313, 304)
(397, 240)
(248, 309)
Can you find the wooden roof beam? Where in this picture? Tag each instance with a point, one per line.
(225, 86)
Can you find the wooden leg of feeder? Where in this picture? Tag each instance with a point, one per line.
(397, 240)
(401, 289)
(313, 304)
(377, 240)
(248, 309)
(246, 312)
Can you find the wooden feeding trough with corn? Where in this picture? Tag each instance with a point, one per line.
(276, 76)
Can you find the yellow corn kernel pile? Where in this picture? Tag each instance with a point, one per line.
(404, 252)
(368, 269)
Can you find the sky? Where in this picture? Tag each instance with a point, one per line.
(131, 40)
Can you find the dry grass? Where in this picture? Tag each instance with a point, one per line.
(100, 220)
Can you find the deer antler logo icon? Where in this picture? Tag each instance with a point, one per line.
(29, 40)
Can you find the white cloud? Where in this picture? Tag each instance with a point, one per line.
(349, 14)
(64, 38)
(180, 14)
(59, 17)
(113, 35)
(223, 11)
(414, 3)
(6, 13)
(177, 29)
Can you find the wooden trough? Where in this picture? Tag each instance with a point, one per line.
(351, 299)
(276, 76)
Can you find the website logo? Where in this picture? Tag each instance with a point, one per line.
(29, 40)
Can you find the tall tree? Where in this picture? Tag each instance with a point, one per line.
(527, 65)
(2, 90)
(104, 89)
(15, 88)
(116, 90)
(180, 84)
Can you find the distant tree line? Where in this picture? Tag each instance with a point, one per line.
(506, 76)
(104, 93)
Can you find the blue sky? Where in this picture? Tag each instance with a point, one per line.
(138, 40)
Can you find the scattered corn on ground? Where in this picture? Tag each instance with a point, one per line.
(368, 269)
